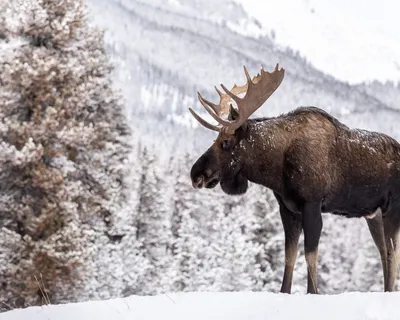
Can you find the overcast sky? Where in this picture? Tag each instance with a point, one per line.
(353, 40)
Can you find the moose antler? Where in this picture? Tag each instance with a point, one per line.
(258, 90)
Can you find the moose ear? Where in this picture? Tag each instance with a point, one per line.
(233, 114)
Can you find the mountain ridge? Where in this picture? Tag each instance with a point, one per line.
(162, 48)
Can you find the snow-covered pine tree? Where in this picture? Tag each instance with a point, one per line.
(267, 232)
(230, 253)
(63, 145)
(186, 240)
(335, 255)
(153, 225)
(363, 266)
(122, 263)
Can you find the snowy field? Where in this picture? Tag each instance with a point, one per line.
(232, 306)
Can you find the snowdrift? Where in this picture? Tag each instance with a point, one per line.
(232, 306)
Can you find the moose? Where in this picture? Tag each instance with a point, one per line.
(312, 162)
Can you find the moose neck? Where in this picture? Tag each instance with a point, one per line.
(264, 148)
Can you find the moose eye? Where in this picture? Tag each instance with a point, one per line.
(226, 145)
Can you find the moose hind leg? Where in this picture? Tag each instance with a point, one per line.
(375, 226)
(292, 227)
(312, 226)
(391, 226)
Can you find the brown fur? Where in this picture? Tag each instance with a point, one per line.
(313, 163)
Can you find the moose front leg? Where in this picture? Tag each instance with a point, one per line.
(312, 226)
(292, 227)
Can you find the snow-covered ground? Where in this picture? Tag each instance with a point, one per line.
(353, 41)
(232, 306)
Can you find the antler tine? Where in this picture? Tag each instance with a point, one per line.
(204, 122)
(219, 92)
(229, 93)
(217, 110)
(247, 75)
(225, 104)
(203, 101)
(239, 89)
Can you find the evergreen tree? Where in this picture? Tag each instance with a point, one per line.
(154, 226)
(266, 230)
(364, 272)
(230, 260)
(185, 229)
(63, 146)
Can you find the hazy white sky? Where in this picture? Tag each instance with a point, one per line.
(382, 16)
(353, 40)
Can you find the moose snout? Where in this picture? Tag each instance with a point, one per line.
(198, 182)
(208, 181)
(204, 172)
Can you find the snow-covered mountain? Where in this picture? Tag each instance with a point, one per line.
(353, 41)
(166, 51)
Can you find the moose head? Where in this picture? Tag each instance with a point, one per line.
(227, 160)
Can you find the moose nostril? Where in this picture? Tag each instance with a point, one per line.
(198, 183)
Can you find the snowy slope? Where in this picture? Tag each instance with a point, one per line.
(167, 51)
(232, 306)
(353, 41)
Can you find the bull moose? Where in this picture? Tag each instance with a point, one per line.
(312, 162)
